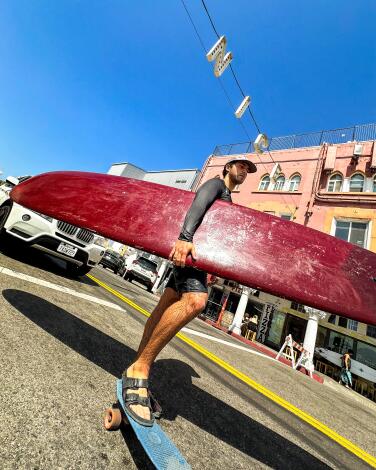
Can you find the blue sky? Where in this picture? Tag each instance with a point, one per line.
(84, 84)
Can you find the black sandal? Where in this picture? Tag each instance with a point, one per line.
(155, 405)
(130, 383)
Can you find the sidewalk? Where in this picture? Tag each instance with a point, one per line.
(262, 348)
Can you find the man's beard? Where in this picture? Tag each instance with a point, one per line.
(237, 179)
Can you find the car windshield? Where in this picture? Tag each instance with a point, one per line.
(147, 264)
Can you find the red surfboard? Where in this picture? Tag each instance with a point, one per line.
(234, 242)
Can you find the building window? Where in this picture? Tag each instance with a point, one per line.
(371, 331)
(342, 322)
(353, 232)
(340, 343)
(352, 325)
(298, 307)
(294, 183)
(335, 183)
(279, 183)
(357, 183)
(374, 185)
(286, 216)
(366, 354)
(264, 183)
(332, 319)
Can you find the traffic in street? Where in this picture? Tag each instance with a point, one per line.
(65, 340)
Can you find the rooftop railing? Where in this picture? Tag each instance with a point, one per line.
(359, 133)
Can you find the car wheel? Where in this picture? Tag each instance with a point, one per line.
(4, 213)
(75, 271)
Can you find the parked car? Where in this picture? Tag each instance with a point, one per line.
(128, 260)
(112, 260)
(144, 271)
(80, 248)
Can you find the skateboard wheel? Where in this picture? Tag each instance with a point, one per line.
(112, 419)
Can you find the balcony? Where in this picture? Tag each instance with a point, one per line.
(359, 133)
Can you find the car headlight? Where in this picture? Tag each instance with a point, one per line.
(50, 219)
(100, 241)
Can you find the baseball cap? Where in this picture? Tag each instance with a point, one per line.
(251, 166)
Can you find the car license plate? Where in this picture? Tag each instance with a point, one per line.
(67, 249)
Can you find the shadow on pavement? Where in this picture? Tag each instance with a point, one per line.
(19, 251)
(173, 382)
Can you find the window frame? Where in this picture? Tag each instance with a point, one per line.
(370, 333)
(276, 182)
(262, 181)
(331, 178)
(368, 222)
(290, 181)
(364, 182)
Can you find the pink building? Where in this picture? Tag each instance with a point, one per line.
(315, 186)
(330, 187)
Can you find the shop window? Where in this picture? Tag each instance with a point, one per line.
(366, 354)
(320, 338)
(264, 183)
(294, 183)
(279, 183)
(335, 183)
(353, 232)
(357, 183)
(232, 302)
(340, 343)
(276, 329)
(371, 331)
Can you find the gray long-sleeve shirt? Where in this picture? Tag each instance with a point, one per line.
(210, 191)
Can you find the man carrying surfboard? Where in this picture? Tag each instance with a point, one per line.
(185, 295)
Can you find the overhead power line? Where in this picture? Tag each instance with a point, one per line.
(239, 87)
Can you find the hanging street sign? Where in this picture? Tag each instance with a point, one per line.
(217, 53)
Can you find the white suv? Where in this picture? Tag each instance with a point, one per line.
(143, 270)
(80, 248)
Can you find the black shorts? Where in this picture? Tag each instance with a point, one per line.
(188, 280)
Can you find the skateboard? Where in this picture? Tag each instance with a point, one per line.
(160, 449)
(234, 242)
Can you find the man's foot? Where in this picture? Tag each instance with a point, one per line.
(136, 397)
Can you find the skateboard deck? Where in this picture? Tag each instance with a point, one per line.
(233, 242)
(160, 449)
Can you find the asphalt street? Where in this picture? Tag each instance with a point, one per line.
(65, 341)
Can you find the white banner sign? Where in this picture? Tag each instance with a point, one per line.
(264, 323)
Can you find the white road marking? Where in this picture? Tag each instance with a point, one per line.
(227, 343)
(66, 290)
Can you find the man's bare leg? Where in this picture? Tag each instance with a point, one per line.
(169, 297)
(171, 321)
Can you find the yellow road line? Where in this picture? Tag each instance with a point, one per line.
(256, 386)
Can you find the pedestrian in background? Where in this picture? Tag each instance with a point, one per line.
(345, 377)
